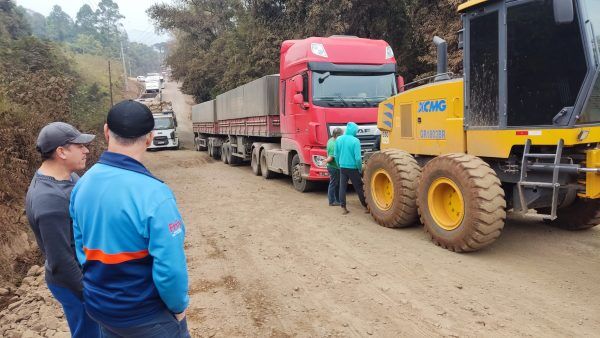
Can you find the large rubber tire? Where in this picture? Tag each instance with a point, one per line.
(468, 184)
(582, 214)
(391, 180)
(301, 184)
(224, 151)
(264, 170)
(232, 160)
(255, 162)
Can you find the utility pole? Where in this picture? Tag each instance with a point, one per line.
(110, 84)
(124, 68)
(129, 59)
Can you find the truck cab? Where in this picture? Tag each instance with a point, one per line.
(326, 83)
(165, 131)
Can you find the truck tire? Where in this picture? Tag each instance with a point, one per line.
(224, 151)
(216, 153)
(210, 149)
(461, 202)
(391, 180)
(264, 169)
(580, 215)
(255, 162)
(301, 184)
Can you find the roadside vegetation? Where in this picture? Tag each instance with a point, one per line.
(221, 44)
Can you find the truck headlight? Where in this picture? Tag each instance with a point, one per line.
(319, 161)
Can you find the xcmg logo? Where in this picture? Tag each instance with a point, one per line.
(432, 106)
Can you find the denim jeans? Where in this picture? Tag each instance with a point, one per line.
(355, 177)
(333, 191)
(164, 327)
(80, 324)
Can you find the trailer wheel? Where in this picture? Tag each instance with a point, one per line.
(391, 180)
(300, 183)
(231, 158)
(580, 215)
(461, 202)
(224, 151)
(216, 153)
(255, 162)
(210, 149)
(264, 169)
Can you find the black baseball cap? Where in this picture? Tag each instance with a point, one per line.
(130, 119)
(57, 134)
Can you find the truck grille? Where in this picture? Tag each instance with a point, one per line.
(367, 143)
(160, 140)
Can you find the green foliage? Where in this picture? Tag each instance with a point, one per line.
(13, 24)
(60, 25)
(221, 44)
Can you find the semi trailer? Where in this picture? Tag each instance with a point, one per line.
(281, 123)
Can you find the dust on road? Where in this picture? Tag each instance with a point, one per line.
(265, 260)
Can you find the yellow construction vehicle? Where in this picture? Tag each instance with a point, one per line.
(519, 130)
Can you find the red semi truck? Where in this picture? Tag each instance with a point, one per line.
(281, 123)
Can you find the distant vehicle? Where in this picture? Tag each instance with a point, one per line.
(165, 131)
(141, 78)
(156, 78)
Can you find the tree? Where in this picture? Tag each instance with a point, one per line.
(60, 25)
(86, 21)
(12, 21)
(108, 23)
(36, 21)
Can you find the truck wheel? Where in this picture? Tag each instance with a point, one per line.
(461, 202)
(301, 184)
(255, 162)
(224, 151)
(210, 149)
(391, 180)
(264, 169)
(582, 214)
(216, 152)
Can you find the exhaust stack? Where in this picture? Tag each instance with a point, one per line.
(442, 59)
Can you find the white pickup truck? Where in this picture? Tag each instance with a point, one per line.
(165, 131)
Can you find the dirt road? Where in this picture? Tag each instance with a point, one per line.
(265, 260)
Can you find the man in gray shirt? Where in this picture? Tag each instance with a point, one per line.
(63, 150)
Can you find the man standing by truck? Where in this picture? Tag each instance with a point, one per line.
(63, 150)
(129, 236)
(349, 159)
(333, 191)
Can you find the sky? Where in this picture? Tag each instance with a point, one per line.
(137, 23)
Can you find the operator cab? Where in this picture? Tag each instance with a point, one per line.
(531, 63)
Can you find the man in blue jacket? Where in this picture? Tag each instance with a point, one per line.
(129, 236)
(349, 159)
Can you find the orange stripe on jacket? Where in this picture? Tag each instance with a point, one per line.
(99, 255)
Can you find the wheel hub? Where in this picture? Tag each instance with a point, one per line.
(382, 189)
(446, 203)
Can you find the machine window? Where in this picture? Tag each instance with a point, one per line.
(483, 74)
(546, 64)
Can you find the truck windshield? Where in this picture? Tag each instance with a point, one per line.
(352, 89)
(162, 123)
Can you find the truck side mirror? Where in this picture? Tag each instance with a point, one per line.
(563, 11)
(298, 83)
(400, 83)
(298, 99)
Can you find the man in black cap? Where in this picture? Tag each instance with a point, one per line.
(63, 150)
(129, 236)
